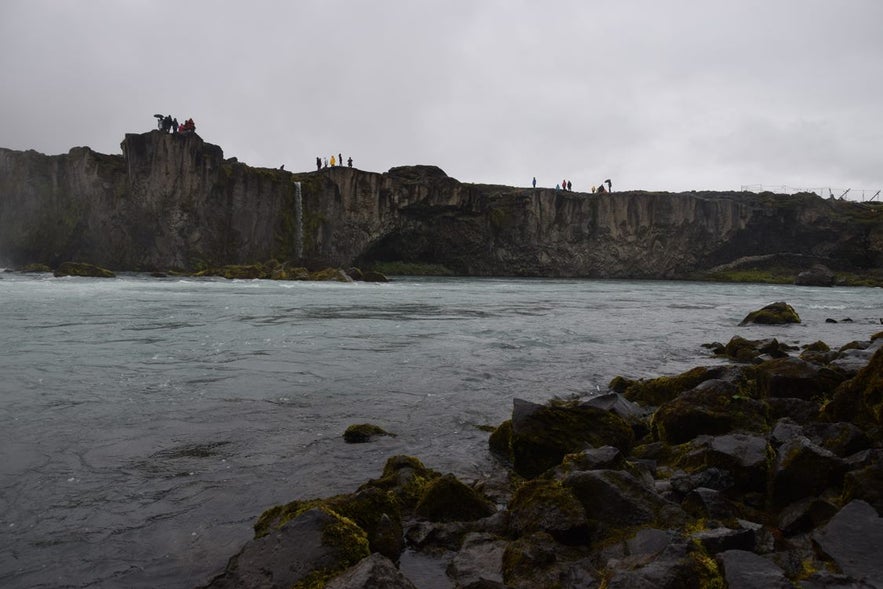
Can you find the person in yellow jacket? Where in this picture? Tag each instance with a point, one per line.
(332, 161)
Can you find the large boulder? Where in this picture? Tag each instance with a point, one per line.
(312, 547)
(803, 469)
(614, 499)
(656, 391)
(479, 562)
(448, 499)
(860, 399)
(773, 314)
(82, 269)
(745, 570)
(541, 435)
(714, 407)
(853, 539)
(547, 506)
(373, 572)
(818, 275)
(796, 378)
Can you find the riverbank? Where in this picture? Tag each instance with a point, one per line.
(762, 471)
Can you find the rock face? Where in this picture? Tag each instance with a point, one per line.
(174, 202)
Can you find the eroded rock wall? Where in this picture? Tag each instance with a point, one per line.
(174, 202)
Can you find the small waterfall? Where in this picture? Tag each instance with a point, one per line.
(298, 223)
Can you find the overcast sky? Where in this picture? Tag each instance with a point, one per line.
(656, 95)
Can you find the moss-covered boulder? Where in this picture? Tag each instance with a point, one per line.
(547, 506)
(406, 478)
(714, 407)
(541, 435)
(745, 350)
(448, 499)
(773, 314)
(363, 432)
(796, 378)
(615, 500)
(331, 275)
(83, 269)
(860, 399)
(372, 276)
(34, 269)
(657, 391)
(308, 550)
(803, 469)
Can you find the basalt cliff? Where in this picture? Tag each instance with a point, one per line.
(173, 202)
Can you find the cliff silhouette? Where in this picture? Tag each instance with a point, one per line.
(173, 202)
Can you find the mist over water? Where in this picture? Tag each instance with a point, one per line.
(145, 423)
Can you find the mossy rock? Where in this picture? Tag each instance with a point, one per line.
(500, 441)
(796, 378)
(860, 399)
(83, 269)
(547, 506)
(372, 276)
(714, 407)
(34, 269)
(447, 499)
(657, 391)
(331, 275)
(542, 435)
(773, 314)
(406, 478)
(363, 432)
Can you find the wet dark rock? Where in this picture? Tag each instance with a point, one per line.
(447, 499)
(773, 314)
(82, 269)
(373, 572)
(860, 400)
(804, 515)
(722, 539)
(653, 559)
(818, 275)
(866, 483)
(714, 407)
(853, 539)
(314, 544)
(745, 350)
(803, 469)
(709, 478)
(746, 456)
(543, 434)
(372, 276)
(479, 560)
(795, 378)
(605, 457)
(656, 391)
(706, 503)
(363, 432)
(841, 438)
(800, 410)
(547, 506)
(745, 570)
(615, 499)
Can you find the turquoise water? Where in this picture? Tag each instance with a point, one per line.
(145, 423)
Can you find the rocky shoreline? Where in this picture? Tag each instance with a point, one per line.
(763, 471)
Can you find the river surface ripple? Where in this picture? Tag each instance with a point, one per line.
(145, 423)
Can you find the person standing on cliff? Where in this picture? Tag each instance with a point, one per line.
(326, 162)
(569, 186)
(339, 160)
(332, 160)
(534, 182)
(349, 161)
(318, 163)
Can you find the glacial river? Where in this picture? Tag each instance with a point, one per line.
(145, 423)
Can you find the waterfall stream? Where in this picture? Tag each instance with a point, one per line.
(298, 222)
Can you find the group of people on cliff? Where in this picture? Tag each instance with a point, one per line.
(167, 124)
(320, 163)
(567, 185)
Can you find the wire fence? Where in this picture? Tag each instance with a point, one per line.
(860, 194)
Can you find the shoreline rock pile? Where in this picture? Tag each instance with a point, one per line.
(763, 472)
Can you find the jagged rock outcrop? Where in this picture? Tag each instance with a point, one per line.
(174, 202)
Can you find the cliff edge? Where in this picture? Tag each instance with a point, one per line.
(172, 201)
